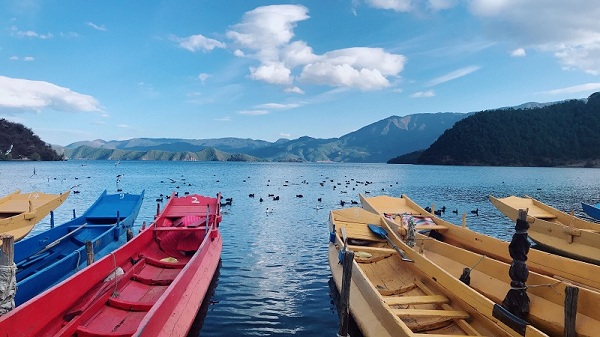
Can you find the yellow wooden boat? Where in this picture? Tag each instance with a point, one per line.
(554, 230)
(391, 297)
(577, 272)
(19, 212)
(490, 276)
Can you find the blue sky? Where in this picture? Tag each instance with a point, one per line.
(115, 70)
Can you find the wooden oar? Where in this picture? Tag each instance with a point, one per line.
(382, 233)
(57, 241)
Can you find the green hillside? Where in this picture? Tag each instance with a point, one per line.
(207, 154)
(562, 134)
(20, 143)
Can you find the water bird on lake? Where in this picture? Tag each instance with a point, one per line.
(276, 198)
(299, 196)
(455, 211)
(342, 203)
(437, 212)
(251, 195)
(261, 200)
(475, 211)
(319, 200)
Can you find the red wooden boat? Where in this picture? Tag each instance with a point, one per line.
(151, 286)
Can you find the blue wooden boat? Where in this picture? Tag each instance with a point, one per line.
(591, 210)
(46, 259)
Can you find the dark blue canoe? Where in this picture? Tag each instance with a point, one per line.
(591, 210)
(46, 259)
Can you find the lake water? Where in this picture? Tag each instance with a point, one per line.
(274, 277)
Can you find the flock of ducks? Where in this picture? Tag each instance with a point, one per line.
(229, 201)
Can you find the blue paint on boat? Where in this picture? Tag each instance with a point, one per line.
(50, 257)
(591, 210)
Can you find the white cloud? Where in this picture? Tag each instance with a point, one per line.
(396, 5)
(453, 75)
(268, 26)
(198, 42)
(203, 77)
(278, 106)
(29, 33)
(101, 28)
(519, 52)
(253, 112)
(362, 68)
(123, 126)
(274, 73)
(298, 53)
(223, 119)
(25, 58)
(266, 35)
(238, 53)
(568, 29)
(285, 135)
(294, 90)
(587, 87)
(421, 94)
(438, 5)
(23, 95)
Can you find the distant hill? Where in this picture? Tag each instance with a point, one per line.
(376, 142)
(206, 154)
(20, 143)
(562, 134)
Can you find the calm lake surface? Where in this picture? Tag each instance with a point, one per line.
(274, 275)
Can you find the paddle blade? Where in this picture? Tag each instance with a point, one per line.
(378, 230)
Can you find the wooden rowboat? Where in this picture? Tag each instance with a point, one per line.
(591, 210)
(490, 276)
(46, 259)
(574, 271)
(151, 286)
(554, 230)
(19, 212)
(391, 297)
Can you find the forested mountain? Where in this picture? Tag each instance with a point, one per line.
(562, 134)
(19, 143)
(376, 142)
(206, 154)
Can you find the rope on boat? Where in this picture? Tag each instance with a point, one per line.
(466, 275)
(78, 259)
(115, 292)
(8, 287)
(550, 285)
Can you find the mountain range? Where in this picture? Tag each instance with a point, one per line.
(377, 142)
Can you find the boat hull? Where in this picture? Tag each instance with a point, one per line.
(20, 212)
(147, 287)
(591, 210)
(577, 272)
(51, 256)
(381, 280)
(554, 230)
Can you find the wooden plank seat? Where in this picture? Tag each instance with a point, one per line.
(397, 291)
(451, 314)
(85, 332)
(129, 305)
(164, 264)
(431, 227)
(152, 281)
(377, 250)
(415, 300)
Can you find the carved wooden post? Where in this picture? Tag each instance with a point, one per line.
(516, 300)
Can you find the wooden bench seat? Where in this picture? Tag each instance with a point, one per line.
(414, 300)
